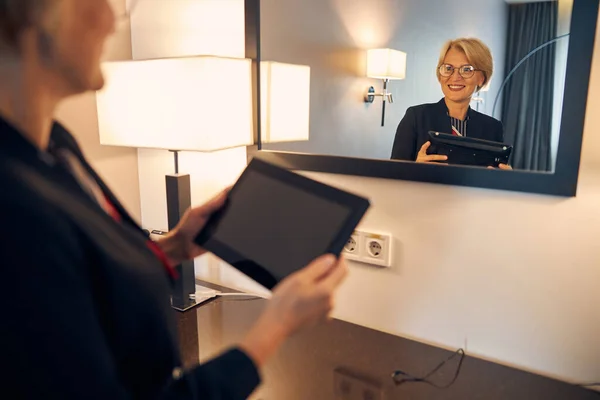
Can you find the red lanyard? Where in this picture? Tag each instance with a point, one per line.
(163, 258)
(114, 213)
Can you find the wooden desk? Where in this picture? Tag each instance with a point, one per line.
(304, 369)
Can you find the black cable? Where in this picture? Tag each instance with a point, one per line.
(406, 378)
(589, 384)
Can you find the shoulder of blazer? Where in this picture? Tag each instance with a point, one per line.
(425, 108)
(429, 111)
(61, 137)
(22, 183)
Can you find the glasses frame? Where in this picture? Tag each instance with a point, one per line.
(459, 70)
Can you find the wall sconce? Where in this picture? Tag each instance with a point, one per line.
(285, 102)
(384, 64)
(192, 103)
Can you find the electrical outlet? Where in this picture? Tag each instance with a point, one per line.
(377, 249)
(374, 248)
(349, 385)
(353, 247)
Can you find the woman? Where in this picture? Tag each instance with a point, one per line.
(464, 67)
(85, 294)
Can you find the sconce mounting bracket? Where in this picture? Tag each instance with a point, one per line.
(370, 96)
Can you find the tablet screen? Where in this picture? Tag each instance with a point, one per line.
(280, 226)
(276, 222)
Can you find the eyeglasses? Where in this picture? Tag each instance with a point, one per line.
(466, 71)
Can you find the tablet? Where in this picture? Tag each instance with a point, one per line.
(469, 151)
(275, 222)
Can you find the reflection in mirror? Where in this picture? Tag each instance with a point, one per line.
(483, 81)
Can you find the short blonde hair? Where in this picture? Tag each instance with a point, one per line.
(478, 54)
(18, 15)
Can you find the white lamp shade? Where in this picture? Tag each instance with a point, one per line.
(285, 102)
(386, 64)
(196, 103)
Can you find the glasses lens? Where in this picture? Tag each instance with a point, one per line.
(467, 71)
(446, 69)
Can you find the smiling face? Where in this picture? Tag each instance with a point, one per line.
(455, 87)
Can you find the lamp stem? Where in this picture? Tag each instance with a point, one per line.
(385, 82)
(176, 159)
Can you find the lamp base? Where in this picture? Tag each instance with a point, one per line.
(178, 202)
(187, 306)
(201, 296)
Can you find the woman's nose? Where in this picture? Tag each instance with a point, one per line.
(455, 75)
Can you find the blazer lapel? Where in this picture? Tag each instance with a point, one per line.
(64, 138)
(474, 128)
(441, 120)
(443, 124)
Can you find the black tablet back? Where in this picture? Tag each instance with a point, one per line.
(469, 151)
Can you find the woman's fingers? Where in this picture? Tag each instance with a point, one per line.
(435, 157)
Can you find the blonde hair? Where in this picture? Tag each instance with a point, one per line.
(18, 15)
(478, 54)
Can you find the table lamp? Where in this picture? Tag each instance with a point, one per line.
(199, 103)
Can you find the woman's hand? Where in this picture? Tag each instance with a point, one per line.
(423, 157)
(178, 245)
(503, 167)
(301, 300)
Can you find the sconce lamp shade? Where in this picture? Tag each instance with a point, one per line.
(196, 103)
(386, 64)
(285, 102)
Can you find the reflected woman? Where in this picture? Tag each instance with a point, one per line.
(464, 67)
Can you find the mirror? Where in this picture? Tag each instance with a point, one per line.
(520, 107)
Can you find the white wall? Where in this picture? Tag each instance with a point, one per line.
(331, 37)
(515, 276)
(174, 28)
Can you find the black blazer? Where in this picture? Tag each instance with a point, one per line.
(84, 301)
(412, 132)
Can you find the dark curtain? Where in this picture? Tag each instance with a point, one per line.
(529, 95)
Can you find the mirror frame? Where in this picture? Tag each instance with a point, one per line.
(562, 182)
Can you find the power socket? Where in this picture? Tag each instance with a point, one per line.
(374, 248)
(353, 247)
(377, 249)
(349, 385)
(370, 248)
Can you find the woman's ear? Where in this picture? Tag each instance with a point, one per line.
(482, 81)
